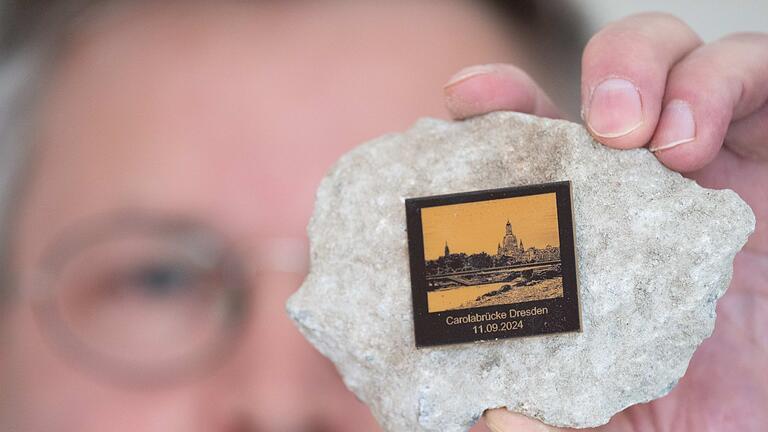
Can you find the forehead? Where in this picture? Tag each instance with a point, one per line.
(233, 112)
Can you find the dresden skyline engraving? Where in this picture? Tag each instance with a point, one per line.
(492, 264)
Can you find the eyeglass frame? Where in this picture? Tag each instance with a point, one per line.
(284, 256)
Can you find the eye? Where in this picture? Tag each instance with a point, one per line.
(161, 280)
(142, 297)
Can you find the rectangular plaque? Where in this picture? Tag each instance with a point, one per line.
(493, 264)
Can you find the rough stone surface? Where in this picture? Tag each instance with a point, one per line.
(654, 253)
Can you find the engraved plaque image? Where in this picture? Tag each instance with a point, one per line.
(493, 264)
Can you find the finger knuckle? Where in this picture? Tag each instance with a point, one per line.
(649, 28)
(608, 45)
(758, 39)
(662, 18)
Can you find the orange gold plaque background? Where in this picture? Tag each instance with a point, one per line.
(479, 226)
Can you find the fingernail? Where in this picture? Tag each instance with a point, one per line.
(615, 108)
(470, 72)
(676, 126)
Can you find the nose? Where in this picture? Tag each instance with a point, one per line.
(272, 386)
(276, 381)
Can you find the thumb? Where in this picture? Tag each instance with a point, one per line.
(495, 87)
(502, 420)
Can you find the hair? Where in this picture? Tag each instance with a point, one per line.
(33, 33)
(17, 89)
(26, 48)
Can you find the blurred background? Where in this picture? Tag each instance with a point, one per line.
(711, 19)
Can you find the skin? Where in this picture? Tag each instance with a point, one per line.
(725, 85)
(228, 114)
(197, 116)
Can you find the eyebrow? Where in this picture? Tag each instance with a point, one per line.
(284, 254)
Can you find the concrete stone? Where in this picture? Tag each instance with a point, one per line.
(654, 253)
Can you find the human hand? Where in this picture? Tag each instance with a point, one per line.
(648, 81)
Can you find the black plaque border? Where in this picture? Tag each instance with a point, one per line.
(564, 313)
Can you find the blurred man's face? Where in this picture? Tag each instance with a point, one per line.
(173, 142)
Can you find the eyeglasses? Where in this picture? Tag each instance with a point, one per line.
(146, 300)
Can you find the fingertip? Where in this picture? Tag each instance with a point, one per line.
(693, 122)
(614, 113)
(706, 93)
(482, 89)
(470, 72)
(617, 115)
(503, 420)
(687, 156)
(675, 142)
(677, 126)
